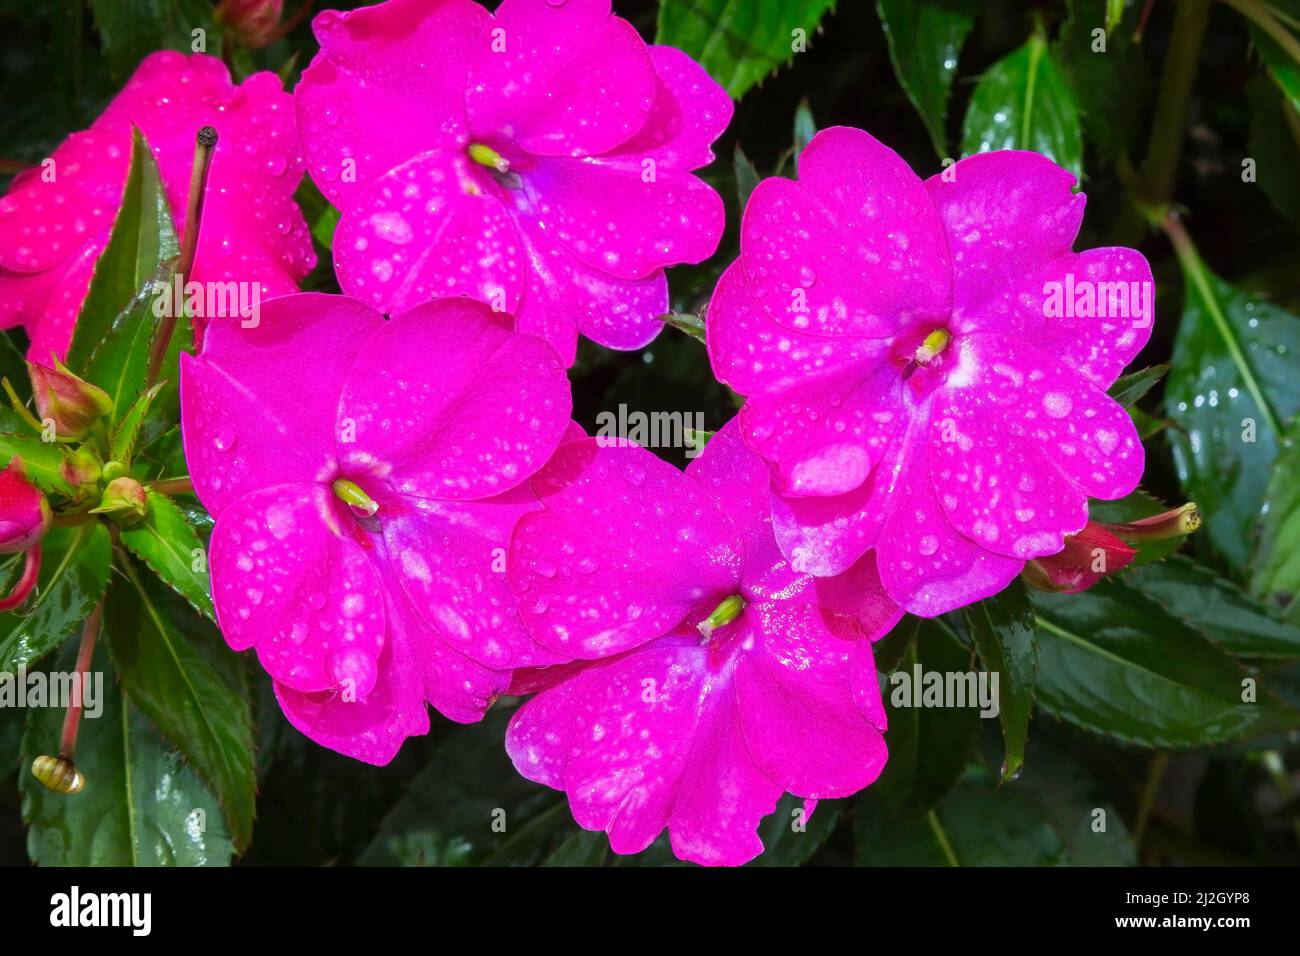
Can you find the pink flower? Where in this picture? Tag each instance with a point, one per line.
(56, 219)
(24, 513)
(538, 159)
(926, 364)
(630, 563)
(365, 476)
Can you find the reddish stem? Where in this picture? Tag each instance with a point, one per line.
(31, 571)
(72, 720)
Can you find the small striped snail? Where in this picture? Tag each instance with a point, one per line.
(59, 774)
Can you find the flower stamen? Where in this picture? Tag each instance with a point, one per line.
(723, 614)
(931, 346)
(352, 494)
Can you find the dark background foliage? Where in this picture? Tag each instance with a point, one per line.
(1171, 793)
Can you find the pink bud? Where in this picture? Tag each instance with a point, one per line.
(254, 22)
(1089, 556)
(72, 403)
(24, 512)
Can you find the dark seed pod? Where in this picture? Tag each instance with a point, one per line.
(58, 774)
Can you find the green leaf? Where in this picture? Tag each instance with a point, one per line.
(179, 672)
(747, 177)
(790, 838)
(739, 41)
(977, 824)
(1276, 560)
(322, 218)
(132, 29)
(448, 816)
(928, 746)
(1110, 78)
(1275, 146)
(1115, 662)
(1128, 389)
(1232, 388)
(1282, 66)
(167, 543)
(1003, 631)
(805, 127)
(142, 805)
(120, 363)
(42, 460)
(925, 40)
(1023, 102)
(1218, 608)
(128, 429)
(142, 237)
(74, 575)
(582, 848)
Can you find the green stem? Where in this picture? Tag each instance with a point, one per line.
(1147, 800)
(1168, 131)
(1266, 18)
(941, 838)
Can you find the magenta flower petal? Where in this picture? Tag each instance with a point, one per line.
(690, 111)
(564, 297)
(565, 79)
(492, 415)
(622, 551)
(444, 554)
(547, 170)
(288, 582)
(348, 143)
(416, 233)
(253, 231)
(1008, 214)
(925, 564)
(854, 248)
(1031, 441)
(259, 405)
(611, 218)
(800, 669)
(752, 353)
(827, 536)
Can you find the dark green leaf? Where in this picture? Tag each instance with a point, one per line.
(739, 43)
(1111, 83)
(582, 848)
(322, 218)
(1115, 662)
(1005, 636)
(171, 548)
(142, 805)
(1276, 561)
(925, 40)
(1129, 388)
(805, 127)
(1282, 66)
(747, 177)
(142, 237)
(120, 363)
(74, 575)
(1232, 389)
(449, 815)
(1023, 102)
(1218, 608)
(1275, 146)
(128, 429)
(790, 837)
(179, 672)
(132, 29)
(928, 746)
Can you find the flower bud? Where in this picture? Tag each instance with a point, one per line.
(125, 501)
(1089, 556)
(24, 513)
(253, 22)
(81, 468)
(72, 403)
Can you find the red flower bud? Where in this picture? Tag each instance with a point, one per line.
(24, 513)
(254, 22)
(72, 403)
(1089, 556)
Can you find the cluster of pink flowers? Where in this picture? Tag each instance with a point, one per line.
(405, 513)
